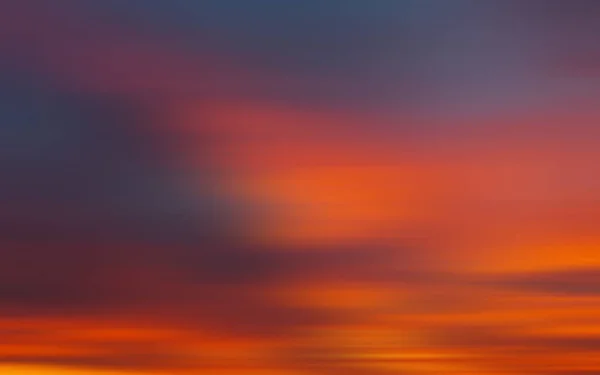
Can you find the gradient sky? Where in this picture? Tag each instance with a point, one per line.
(276, 187)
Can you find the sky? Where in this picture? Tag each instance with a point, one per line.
(325, 187)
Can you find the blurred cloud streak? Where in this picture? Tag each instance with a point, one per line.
(340, 187)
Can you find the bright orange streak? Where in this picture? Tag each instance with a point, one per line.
(51, 370)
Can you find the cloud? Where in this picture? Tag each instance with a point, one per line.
(107, 354)
(574, 282)
(89, 184)
(75, 157)
(513, 347)
(96, 218)
(331, 54)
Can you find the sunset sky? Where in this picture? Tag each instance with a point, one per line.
(315, 187)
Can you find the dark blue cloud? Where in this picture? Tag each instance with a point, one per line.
(71, 158)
